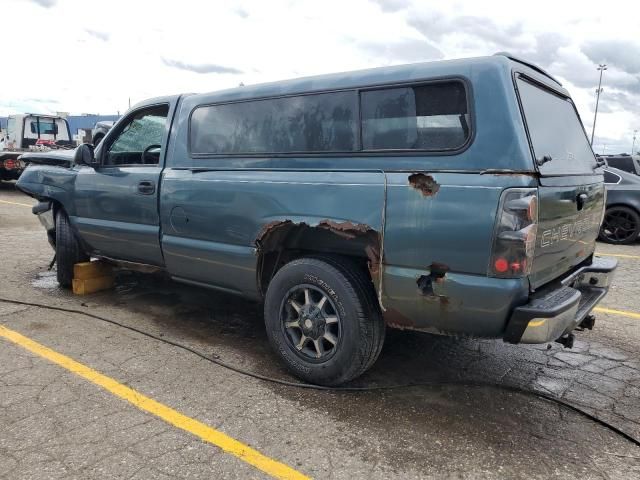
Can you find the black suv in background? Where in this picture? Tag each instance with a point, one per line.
(628, 163)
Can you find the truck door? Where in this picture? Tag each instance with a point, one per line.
(116, 202)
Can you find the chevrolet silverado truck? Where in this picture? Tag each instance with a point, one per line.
(455, 197)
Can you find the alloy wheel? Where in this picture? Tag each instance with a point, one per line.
(311, 323)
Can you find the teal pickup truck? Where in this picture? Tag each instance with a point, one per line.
(456, 197)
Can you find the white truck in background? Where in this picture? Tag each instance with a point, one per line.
(30, 132)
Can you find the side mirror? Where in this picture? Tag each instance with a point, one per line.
(84, 155)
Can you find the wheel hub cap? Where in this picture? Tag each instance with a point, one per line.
(311, 322)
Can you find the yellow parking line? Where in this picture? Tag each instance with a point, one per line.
(16, 203)
(621, 255)
(169, 415)
(623, 313)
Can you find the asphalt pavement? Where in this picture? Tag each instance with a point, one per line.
(81, 398)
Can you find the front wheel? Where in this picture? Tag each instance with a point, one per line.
(68, 250)
(322, 319)
(621, 225)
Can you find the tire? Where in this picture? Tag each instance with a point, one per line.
(621, 226)
(343, 338)
(97, 140)
(68, 250)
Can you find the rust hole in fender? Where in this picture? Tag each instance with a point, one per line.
(438, 272)
(424, 183)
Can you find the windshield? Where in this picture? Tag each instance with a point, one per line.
(47, 127)
(556, 131)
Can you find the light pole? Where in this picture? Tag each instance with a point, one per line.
(633, 145)
(602, 67)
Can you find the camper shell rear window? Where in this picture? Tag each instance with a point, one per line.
(555, 130)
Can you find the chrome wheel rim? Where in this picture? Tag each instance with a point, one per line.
(618, 226)
(311, 323)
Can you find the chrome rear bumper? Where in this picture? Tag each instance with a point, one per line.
(559, 308)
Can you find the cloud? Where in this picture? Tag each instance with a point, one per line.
(612, 145)
(547, 48)
(435, 26)
(623, 55)
(566, 41)
(573, 66)
(200, 67)
(392, 5)
(104, 36)
(241, 12)
(45, 3)
(41, 100)
(404, 50)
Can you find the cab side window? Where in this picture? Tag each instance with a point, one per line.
(140, 140)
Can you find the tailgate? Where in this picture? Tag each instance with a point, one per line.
(568, 223)
(571, 192)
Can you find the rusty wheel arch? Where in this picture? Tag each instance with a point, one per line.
(281, 241)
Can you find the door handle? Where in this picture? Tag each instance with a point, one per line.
(146, 187)
(580, 199)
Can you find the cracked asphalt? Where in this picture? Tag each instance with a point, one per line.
(54, 424)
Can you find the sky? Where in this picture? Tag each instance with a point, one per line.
(87, 56)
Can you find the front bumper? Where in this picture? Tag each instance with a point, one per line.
(559, 308)
(45, 213)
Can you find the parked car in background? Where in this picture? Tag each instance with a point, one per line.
(628, 163)
(100, 130)
(30, 132)
(621, 222)
(456, 197)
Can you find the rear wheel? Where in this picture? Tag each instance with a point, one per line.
(621, 225)
(322, 321)
(68, 250)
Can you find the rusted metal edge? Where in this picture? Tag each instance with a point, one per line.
(348, 231)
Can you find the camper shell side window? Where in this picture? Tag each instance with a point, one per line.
(426, 116)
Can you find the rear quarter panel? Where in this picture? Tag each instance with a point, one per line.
(437, 249)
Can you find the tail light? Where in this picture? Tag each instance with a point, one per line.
(514, 238)
(10, 164)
